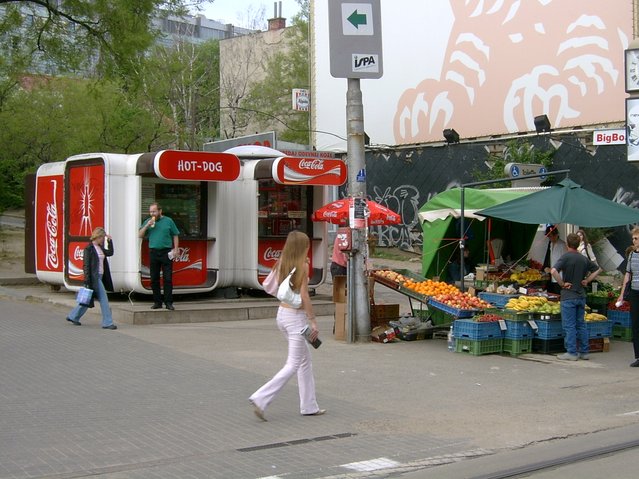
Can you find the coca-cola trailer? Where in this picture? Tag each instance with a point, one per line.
(233, 210)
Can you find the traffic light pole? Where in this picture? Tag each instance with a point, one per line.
(358, 309)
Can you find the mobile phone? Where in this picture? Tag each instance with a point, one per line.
(306, 332)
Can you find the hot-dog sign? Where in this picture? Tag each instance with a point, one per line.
(196, 166)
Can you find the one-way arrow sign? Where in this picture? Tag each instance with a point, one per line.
(357, 19)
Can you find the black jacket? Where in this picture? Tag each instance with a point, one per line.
(91, 267)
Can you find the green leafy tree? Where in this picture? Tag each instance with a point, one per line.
(181, 85)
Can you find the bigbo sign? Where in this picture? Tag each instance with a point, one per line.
(609, 137)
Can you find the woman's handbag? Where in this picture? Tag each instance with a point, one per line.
(286, 294)
(84, 296)
(270, 283)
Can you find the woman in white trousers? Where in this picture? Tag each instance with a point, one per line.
(291, 321)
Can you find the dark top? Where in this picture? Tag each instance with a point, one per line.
(91, 267)
(574, 268)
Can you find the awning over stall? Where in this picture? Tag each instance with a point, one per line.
(440, 235)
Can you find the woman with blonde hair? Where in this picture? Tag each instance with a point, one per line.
(291, 322)
(632, 277)
(96, 277)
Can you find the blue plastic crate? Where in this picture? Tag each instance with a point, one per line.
(518, 330)
(599, 329)
(549, 329)
(458, 313)
(620, 318)
(469, 329)
(495, 299)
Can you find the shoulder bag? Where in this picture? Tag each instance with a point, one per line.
(286, 294)
(270, 283)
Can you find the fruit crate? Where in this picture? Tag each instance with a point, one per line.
(518, 330)
(598, 304)
(548, 346)
(469, 329)
(517, 346)
(495, 299)
(619, 318)
(599, 329)
(441, 318)
(621, 334)
(549, 330)
(458, 313)
(596, 345)
(478, 347)
(546, 317)
(512, 315)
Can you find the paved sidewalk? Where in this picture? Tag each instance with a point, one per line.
(169, 401)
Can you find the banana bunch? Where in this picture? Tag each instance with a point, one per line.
(595, 317)
(535, 304)
(527, 276)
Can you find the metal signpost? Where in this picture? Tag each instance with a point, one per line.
(355, 35)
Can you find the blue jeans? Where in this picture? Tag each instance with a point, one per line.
(101, 295)
(574, 325)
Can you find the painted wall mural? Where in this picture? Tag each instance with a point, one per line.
(509, 61)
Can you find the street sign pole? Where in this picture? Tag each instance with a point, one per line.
(359, 314)
(355, 33)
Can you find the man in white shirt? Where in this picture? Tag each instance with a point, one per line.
(557, 248)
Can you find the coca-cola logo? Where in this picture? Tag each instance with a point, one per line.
(312, 164)
(51, 222)
(271, 254)
(183, 255)
(78, 253)
(330, 214)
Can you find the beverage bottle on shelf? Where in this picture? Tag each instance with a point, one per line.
(451, 339)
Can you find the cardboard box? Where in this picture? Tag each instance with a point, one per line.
(339, 289)
(339, 329)
(382, 334)
(381, 314)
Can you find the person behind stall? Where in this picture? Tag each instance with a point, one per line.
(556, 249)
(163, 239)
(96, 277)
(291, 322)
(584, 246)
(632, 277)
(573, 272)
(454, 267)
(339, 262)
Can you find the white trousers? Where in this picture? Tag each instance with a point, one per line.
(291, 322)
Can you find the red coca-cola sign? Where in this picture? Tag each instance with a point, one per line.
(49, 224)
(189, 266)
(268, 252)
(309, 171)
(196, 166)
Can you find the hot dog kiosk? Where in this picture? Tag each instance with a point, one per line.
(233, 211)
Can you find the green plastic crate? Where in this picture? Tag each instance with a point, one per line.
(620, 333)
(517, 346)
(441, 318)
(478, 347)
(513, 315)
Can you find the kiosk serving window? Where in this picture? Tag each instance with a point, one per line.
(183, 203)
(283, 208)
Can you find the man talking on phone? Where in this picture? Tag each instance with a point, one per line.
(163, 248)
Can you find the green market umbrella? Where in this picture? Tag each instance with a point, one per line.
(565, 202)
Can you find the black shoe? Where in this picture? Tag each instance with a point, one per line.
(635, 364)
(170, 307)
(75, 323)
(113, 326)
(156, 306)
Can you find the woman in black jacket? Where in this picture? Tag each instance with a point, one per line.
(97, 277)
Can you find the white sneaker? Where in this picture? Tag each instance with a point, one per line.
(584, 356)
(567, 357)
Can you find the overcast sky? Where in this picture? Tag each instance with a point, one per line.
(238, 11)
